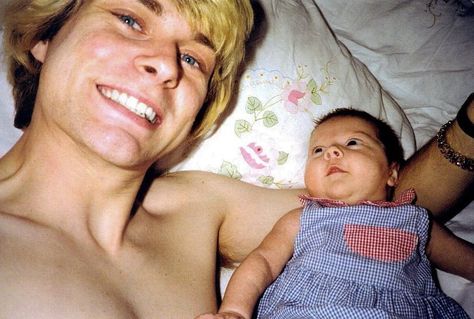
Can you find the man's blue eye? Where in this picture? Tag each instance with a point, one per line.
(189, 60)
(130, 21)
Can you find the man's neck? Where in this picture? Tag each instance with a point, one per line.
(68, 190)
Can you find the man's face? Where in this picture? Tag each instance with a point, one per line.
(347, 162)
(123, 78)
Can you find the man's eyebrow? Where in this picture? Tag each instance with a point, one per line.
(201, 38)
(157, 9)
(153, 5)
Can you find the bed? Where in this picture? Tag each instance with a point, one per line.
(408, 62)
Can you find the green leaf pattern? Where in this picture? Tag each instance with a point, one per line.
(260, 113)
(230, 170)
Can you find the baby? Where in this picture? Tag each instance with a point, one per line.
(348, 252)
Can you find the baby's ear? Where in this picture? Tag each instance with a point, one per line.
(393, 169)
(39, 50)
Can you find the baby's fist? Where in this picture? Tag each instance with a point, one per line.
(221, 315)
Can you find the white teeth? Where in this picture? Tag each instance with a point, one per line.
(150, 115)
(131, 103)
(123, 99)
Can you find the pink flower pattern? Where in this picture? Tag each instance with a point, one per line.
(294, 97)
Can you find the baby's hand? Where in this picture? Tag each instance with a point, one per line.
(221, 315)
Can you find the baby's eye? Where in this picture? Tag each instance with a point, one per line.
(317, 151)
(352, 142)
(130, 21)
(188, 59)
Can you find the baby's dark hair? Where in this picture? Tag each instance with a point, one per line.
(385, 133)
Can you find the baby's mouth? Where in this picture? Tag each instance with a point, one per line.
(131, 103)
(333, 170)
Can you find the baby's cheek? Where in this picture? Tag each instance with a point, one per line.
(313, 181)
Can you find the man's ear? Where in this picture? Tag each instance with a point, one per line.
(392, 180)
(39, 50)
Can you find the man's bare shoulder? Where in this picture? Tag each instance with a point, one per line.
(192, 178)
(189, 189)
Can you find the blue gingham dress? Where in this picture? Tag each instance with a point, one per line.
(359, 261)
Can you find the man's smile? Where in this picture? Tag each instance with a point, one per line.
(131, 103)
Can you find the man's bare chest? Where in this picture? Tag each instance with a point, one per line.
(45, 275)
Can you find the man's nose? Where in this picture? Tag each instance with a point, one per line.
(163, 65)
(333, 152)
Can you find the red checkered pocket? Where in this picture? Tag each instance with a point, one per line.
(380, 243)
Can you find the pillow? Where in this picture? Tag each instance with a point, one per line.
(9, 134)
(296, 71)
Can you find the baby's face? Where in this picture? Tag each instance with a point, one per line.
(347, 162)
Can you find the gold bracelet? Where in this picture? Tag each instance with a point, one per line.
(451, 155)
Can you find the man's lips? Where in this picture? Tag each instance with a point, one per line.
(333, 170)
(131, 103)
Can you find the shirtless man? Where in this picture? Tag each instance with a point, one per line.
(73, 244)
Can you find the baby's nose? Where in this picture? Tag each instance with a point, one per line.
(333, 152)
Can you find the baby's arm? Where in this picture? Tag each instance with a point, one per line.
(259, 269)
(450, 253)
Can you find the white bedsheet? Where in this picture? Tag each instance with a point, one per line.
(423, 56)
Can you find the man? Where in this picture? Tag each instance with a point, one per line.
(120, 85)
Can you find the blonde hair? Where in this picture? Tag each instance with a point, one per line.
(226, 23)
(26, 22)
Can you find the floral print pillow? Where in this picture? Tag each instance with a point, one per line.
(298, 72)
